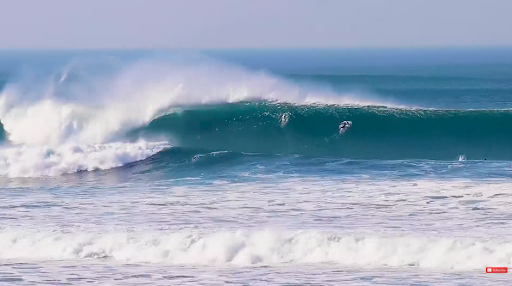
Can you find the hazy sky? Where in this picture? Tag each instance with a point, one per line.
(253, 23)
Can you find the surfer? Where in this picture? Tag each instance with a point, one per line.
(344, 126)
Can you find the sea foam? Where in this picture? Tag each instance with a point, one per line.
(264, 247)
(37, 161)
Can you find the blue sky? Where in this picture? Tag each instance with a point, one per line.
(118, 24)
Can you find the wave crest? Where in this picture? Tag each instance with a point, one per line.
(82, 105)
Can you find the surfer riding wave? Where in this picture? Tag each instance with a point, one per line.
(344, 126)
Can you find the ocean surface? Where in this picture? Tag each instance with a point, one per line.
(256, 167)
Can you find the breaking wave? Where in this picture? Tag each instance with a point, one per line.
(58, 111)
(85, 105)
(258, 248)
(86, 117)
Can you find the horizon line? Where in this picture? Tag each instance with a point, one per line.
(448, 47)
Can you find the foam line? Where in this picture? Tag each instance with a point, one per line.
(29, 161)
(258, 248)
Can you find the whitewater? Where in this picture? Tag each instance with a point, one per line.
(169, 168)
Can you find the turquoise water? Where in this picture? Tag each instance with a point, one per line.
(215, 167)
(376, 133)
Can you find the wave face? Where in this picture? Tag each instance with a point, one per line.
(376, 132)
(258, 248)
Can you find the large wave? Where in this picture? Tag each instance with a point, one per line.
(83, 105)
(64, 110)
(106, 115)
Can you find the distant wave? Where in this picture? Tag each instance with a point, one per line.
(264, 247)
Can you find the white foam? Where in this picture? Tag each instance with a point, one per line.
(36, 161)
(258, 248)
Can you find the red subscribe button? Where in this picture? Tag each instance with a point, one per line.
(496, 270)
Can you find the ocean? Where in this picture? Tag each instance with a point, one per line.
(256, 167)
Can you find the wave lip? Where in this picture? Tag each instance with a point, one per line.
(28, 161)
(264, 247)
